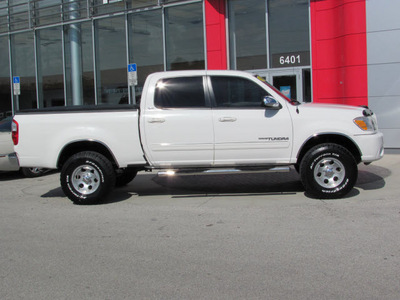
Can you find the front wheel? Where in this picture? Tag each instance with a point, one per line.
(328, 171)
(87, 177)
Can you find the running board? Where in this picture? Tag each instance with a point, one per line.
(219, 171)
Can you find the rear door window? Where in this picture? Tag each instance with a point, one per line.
(182, 92)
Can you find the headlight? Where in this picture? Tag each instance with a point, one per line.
(365, 123)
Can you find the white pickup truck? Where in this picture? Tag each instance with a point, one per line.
(199, 122)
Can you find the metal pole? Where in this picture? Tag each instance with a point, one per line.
(74, 33)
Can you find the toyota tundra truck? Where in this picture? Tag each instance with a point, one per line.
(199, 122)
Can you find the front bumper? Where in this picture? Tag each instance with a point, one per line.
(371, 146)
(9, 162)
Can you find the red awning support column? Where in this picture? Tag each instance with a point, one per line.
(339, 51)
(216, 34)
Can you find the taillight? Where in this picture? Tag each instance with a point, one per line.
(15, 132)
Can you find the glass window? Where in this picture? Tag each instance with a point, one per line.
(23, 65)
(180, 92)
(74, 9)
(79, 64)
(141, 3)
(185, 37)
(46, 12)
(19, 14)
(247, 34)
(50, 67)
(3, 16)
(307, 92)
(289, 33)
(146, 45)
(5, 91)
(112, 85)
(100, 7)
(237, 92)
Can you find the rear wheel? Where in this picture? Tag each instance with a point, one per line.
(87, 177)
(328, 171)
(32, 172)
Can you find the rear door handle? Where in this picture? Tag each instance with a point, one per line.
(227, 119)
(156, 120)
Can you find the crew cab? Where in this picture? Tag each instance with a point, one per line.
(199, 122)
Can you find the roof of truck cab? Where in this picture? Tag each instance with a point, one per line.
(200, 73)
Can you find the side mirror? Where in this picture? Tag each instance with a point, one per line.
(271, 103)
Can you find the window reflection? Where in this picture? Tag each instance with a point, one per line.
(19, 16)
(141, 3)
(5, 91)
(74, 9)
(146, 45)
(100, 7)
(46, 12)
(112, 87)
(248, 45)
(289, 33)
(184, 37)
(50, 67)
(3, 16)
(23, 65)
(79, 64)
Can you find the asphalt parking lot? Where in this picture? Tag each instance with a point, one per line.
(251, 236)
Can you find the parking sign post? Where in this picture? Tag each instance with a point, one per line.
(132, 80)
(17, 90)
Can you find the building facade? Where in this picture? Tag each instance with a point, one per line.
(77, 52)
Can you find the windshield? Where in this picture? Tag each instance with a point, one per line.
(293, 102)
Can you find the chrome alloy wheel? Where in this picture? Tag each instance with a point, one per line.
(329, 172)
(36, 170)
(85, 179)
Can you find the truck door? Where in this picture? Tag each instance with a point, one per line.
(246, 132)
(178, 129)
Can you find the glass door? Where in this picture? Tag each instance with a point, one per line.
(287, 84)
(293, 83)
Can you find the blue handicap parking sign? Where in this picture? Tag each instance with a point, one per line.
(132, 68)
(16, 79)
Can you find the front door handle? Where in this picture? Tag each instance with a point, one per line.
(156, 120)
(227, 119)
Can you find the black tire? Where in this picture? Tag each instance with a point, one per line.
(125, 177)
(87, 177)
(328, 171)
(32, 172)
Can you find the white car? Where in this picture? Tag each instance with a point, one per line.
(8, 158)
(199, 122)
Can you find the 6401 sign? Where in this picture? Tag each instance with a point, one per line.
(284, 60)
(290, 59)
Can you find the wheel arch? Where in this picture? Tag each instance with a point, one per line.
(85, 145)
(335, 138)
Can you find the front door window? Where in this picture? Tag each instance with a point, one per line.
(231, 92)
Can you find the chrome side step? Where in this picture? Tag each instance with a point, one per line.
(220, 171)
